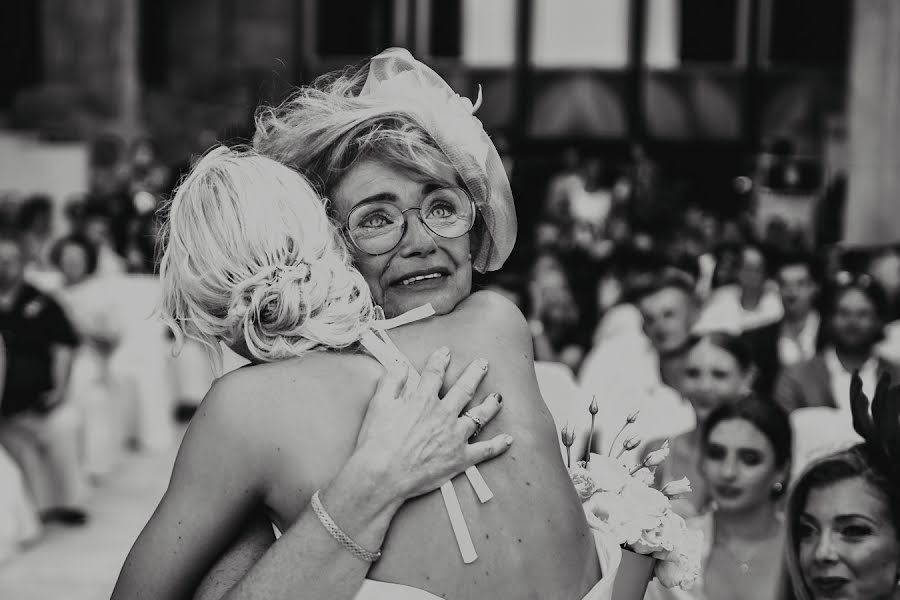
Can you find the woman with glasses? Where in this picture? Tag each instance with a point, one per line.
(421, 199)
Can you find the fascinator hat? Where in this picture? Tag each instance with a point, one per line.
(405, 84)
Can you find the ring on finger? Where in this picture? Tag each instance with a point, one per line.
(479, 422)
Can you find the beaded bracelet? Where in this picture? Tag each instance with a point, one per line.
(342, 538)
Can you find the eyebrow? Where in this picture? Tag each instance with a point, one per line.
(843, 519)
(392, 197)
(854, 516)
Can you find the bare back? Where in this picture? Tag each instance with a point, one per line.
(532, 537)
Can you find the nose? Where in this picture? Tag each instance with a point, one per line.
(417, 240)
(825, 551)
(729, 468)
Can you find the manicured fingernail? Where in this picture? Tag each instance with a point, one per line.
(508, 440)
(482, 364)
(443, 351)
(499, 398)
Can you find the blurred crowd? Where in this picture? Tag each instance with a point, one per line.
(734, 341)
(672, 311)
(87, 371)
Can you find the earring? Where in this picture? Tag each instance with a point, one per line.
(777, 487)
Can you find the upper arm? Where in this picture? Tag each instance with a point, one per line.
(215, 484)
(500, 334)
(255, 538)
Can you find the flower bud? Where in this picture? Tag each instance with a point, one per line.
(567, 435)
(657, 457)
(631, 443)
(593, 408)
(678, 488)
(633, 417)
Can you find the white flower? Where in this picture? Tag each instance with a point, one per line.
(645, 476)
(610, 475)
(657, 457)
(678, 488)
(583, 482)
(681, 565)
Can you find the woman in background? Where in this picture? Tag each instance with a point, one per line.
(843, 514)
(746, 454)
(717, 370)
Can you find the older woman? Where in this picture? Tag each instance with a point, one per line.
(412, 185)
(843, 515)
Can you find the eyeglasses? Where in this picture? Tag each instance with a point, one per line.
(377, 227)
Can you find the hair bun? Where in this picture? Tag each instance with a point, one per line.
(290, 308)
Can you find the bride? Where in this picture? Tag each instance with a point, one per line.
(252, 260)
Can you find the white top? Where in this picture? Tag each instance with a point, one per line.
(803, 347)
(724, 311)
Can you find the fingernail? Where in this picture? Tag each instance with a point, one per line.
(482, 364)
(508, 440)
(443, 351)
(499, 398)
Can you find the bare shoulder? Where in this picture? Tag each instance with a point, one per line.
(257, 403)
(494, 315)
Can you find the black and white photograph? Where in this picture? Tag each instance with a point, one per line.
(450, 299)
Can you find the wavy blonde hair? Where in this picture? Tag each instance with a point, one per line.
(323, 129)
(251, 259)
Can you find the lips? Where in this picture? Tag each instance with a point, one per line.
(728, 491)
(422, 275)
(829, 586)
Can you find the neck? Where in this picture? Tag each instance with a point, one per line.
(852, 359)
(670, 365)
(750, 299)
(749, 525)
(796, 321)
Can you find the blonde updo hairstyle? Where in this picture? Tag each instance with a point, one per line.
(252, 260)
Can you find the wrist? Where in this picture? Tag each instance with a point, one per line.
(371, 486)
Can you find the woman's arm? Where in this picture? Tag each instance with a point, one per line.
(410, 442)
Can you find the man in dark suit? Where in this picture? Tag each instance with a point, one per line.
(799, 335)
(855, 317)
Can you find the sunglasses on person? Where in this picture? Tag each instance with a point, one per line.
(377, 227)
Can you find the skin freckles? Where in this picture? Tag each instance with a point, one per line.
(419, 250)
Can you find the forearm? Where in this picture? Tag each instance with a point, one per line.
(307, 560)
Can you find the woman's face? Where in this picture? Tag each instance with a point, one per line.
(847, 544)
(73, 263)
(739, 466)
(395, 277)
(711, 376)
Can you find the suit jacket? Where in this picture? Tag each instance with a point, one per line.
(763, 344)
(809, 383)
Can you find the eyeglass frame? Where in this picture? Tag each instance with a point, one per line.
(418, 208)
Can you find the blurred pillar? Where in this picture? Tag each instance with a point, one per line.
(91, 46)
(872, 215)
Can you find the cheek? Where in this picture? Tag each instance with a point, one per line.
(875, 564)
(372, 268)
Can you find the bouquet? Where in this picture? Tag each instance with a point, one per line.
(623, 501)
